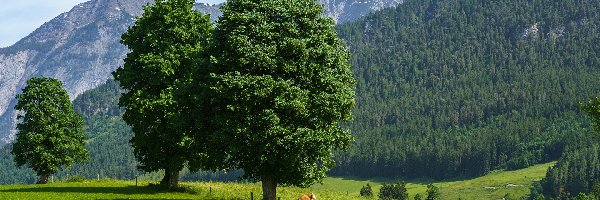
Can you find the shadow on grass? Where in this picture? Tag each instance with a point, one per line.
(131, 190)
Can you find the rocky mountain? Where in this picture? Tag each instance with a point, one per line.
(349, 10)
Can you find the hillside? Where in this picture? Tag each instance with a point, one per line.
(493, 186)
(460, 88)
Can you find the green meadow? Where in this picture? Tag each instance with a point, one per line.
(492, 186)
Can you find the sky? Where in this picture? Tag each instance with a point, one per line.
(18, 18)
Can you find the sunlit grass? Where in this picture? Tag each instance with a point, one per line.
(492, 186)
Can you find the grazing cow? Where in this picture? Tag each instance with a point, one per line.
(310, 196)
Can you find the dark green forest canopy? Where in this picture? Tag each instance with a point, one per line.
(453, 88)
(576, 172)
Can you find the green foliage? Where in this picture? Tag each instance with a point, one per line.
(393, 192)
(460, 88)
(433, 192)
(280, 85)
(11, 173)
(50, 134)
(595, 191)
(75, 179)
(418, 196)
(366, 191)
(592, 108)
(583, 196)
(507, 196)
(165, 44)
(536, 191)
(577, 170)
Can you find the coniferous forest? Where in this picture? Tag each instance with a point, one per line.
(459, 88)
(446, 89)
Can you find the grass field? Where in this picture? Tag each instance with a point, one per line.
(491, 186)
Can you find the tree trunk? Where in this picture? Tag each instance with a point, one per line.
(43, 179)
(269, 187)
(171, 179)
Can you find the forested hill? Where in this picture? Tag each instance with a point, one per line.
(459, 88)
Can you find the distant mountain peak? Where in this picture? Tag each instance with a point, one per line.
(343, 11)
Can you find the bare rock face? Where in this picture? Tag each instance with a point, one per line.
(343, 11)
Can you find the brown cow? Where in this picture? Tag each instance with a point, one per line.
(310, 196)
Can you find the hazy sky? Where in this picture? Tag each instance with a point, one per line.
(18, 18)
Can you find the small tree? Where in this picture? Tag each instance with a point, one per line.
(583, 196)
(280, 88)
(507, 197)
(595, 191)
(366, 191)
(165, 43)
(393, 192)
(50, 134)
(433, 192)
(418, 196)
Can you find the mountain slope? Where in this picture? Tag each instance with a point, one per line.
(460, 88)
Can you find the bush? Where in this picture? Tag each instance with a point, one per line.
(583, 196)
(366, 191)
(73, 179)
(418, 196)
(433, 193)
(393, 192)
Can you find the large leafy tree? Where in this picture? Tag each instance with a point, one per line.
(281, 84)
(165, 42)
(50, 134)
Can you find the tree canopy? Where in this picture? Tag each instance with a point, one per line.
(165, 43)
(50, 134)
(281, 84)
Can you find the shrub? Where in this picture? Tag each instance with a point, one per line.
(73, 179)
(393, 192)
(418, 196)
(366, 191)
(433, 193)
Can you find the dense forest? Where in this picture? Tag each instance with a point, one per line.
(577, 172)
(459, 88)
(445, 89)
